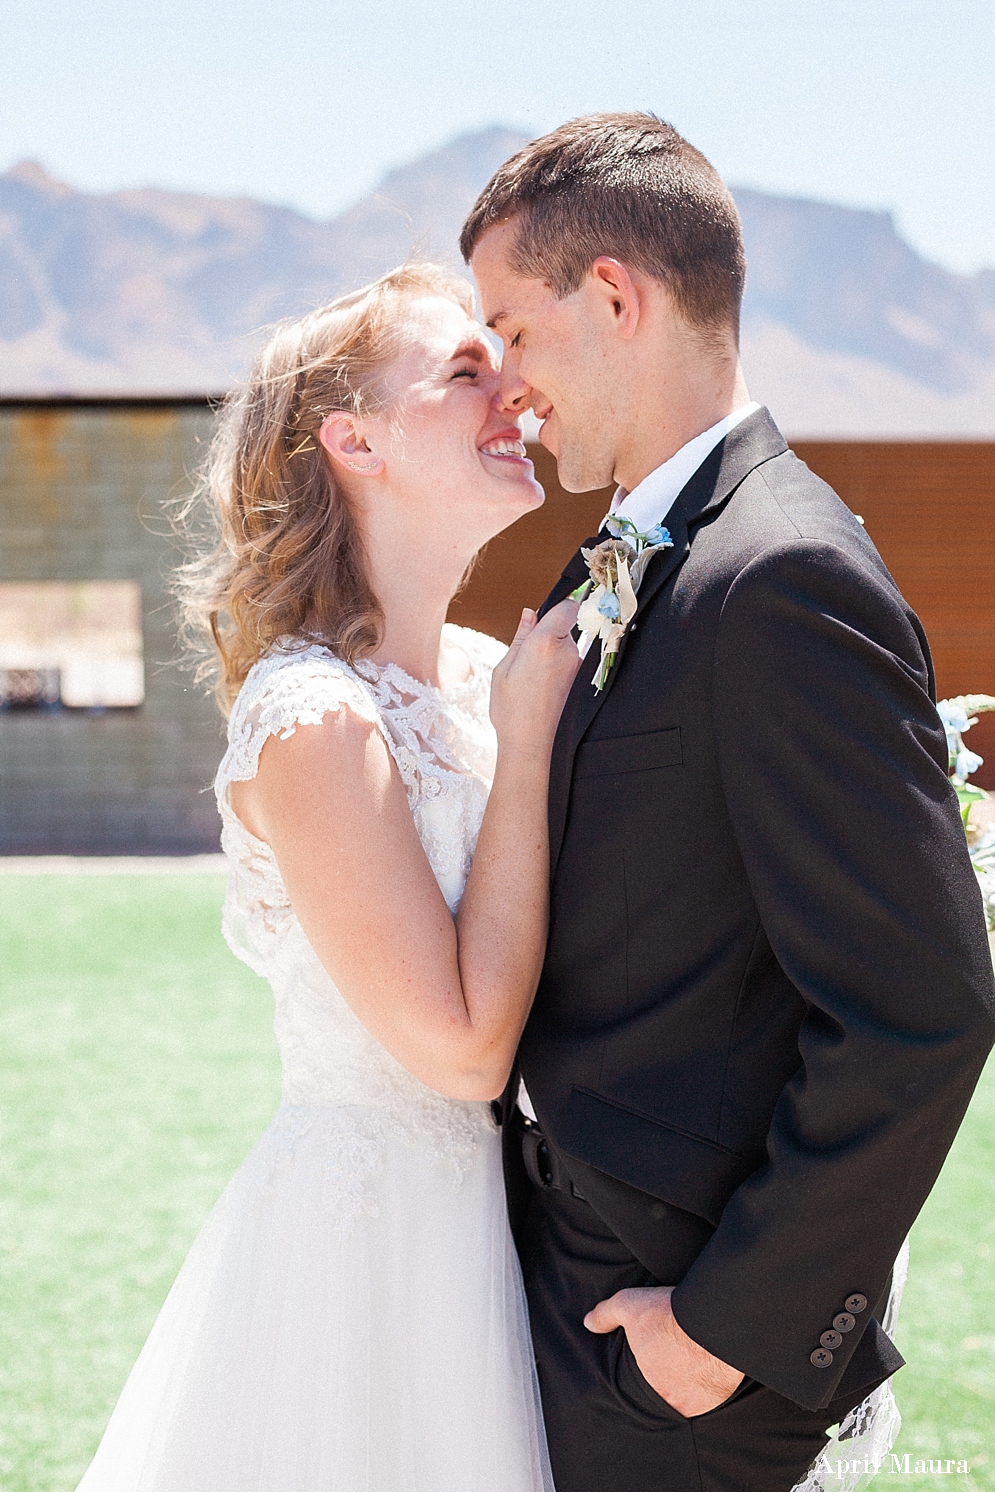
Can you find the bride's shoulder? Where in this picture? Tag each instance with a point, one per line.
(484, 652)
(298, 683)
(293, 684)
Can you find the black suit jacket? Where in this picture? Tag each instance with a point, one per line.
(768, 991)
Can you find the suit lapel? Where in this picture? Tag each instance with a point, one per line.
(712, 484)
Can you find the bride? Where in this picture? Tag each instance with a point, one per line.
(351, 1317)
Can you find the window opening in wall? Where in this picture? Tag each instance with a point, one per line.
(74, 644)
(29, 688)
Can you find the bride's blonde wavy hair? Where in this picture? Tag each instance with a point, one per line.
(276, 549)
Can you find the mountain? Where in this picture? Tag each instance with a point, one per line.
(154, 291)
(847, 331)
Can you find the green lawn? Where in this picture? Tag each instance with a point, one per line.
(138, 1067)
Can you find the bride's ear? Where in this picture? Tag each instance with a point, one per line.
(347, 446)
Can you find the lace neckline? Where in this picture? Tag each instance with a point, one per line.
(403, 683)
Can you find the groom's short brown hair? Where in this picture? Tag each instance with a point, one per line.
(626, 185)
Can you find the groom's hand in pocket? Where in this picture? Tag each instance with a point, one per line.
(690, 1379)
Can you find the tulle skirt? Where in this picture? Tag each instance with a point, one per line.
(294, 1354)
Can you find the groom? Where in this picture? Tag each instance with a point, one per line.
(768, 993)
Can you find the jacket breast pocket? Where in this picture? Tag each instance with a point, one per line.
(624, 754)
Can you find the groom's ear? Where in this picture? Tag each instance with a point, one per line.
(620, 292)
(347, 446)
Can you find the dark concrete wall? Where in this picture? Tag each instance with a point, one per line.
(82, 493)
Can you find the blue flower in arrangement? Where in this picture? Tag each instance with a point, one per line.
(658, 535)
(966, 763)
(958, 715)
(609, 607)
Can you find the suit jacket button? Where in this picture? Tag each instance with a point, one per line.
(844, 1321)
(821, 1358)
(856, 1303)
(831, 1339)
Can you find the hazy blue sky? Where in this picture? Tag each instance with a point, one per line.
(882, 103)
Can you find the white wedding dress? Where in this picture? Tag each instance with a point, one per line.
(351, 1318)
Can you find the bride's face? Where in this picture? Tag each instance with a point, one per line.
(453, 456)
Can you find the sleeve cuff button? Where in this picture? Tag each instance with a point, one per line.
(821, 1358)
(856, 1303)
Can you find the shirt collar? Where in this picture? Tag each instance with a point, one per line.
(652, 499)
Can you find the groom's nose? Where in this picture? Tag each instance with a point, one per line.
(514, 394)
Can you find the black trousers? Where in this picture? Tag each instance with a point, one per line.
(608, 1430)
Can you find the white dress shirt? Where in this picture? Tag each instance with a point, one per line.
(647, 504)
(652, 500)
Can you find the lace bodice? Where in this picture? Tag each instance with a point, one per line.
(444, 748)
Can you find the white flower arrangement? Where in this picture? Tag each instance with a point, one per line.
(958, 715)
(608, 599)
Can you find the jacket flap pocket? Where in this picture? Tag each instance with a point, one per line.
(618, 754)
(679, 1168)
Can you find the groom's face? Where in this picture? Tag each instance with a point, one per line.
(558, 359)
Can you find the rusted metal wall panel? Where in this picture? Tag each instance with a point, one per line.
(929, 506)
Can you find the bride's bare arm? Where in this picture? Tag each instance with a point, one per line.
(447, 998)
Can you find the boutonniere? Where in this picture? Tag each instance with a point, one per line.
(608, 598)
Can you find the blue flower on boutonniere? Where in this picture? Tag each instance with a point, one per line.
(619, 528)
(657, 536)
(608, 599)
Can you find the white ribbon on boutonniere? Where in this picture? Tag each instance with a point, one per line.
(608, 600)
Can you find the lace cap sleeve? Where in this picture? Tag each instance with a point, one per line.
(281, 692)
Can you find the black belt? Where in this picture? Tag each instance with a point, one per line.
(543, 1165)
